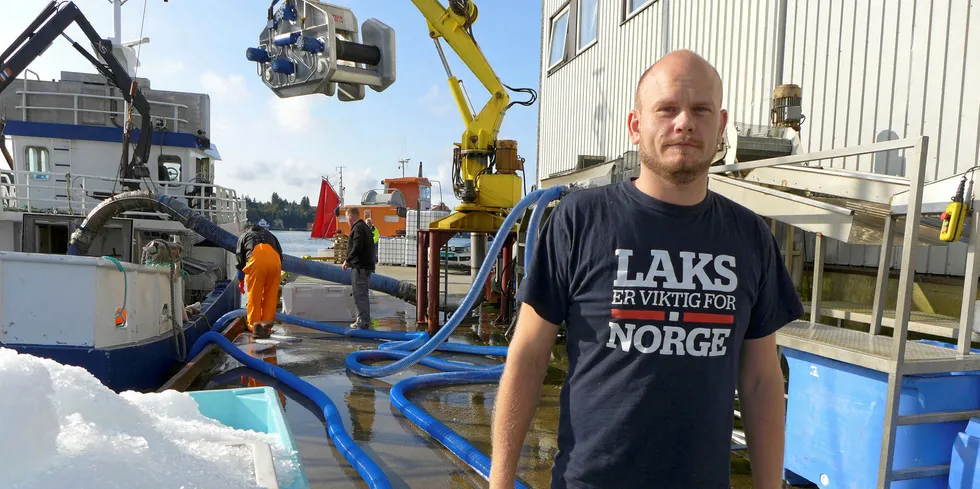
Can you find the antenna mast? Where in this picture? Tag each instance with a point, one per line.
(341, 168)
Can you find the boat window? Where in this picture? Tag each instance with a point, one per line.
(169, 168)
(37, 159)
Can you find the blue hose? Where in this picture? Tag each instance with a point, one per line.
(455, 443)
(532, 225)
(399, 346)
(365, 466)
(468, 300)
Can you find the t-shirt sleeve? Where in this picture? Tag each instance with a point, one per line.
(546, 287)
(777, 302)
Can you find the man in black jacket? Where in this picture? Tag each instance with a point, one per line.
(360, 258)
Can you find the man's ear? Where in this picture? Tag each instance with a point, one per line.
(724, 123)
(633, 125)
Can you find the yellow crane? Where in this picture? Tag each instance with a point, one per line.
(484, 168)
(309, 46)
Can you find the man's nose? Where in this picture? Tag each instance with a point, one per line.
(684, 122)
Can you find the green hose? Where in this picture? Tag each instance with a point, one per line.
(121, 315)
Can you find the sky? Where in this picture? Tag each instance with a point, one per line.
(268, 144)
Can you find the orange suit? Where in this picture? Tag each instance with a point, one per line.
(263, 272)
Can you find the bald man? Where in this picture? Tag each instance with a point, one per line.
(670, 295)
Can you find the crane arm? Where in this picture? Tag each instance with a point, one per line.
(49, 24)
(452, 24)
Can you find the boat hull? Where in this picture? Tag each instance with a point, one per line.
(143, 365)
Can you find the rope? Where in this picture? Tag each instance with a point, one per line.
(121, 315)
(161, 253)
(179, 339)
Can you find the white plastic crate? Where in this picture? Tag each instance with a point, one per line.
(397, 251)
(319, 302)
(426, 217)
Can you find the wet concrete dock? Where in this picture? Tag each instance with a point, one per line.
(408, 455)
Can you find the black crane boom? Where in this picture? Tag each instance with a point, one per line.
(51, 23)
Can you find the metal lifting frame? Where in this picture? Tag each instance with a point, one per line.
(894, 356)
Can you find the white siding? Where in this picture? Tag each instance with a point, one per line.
(870, 71)
(584, 103)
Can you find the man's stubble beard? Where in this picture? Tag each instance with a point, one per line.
(682, 174)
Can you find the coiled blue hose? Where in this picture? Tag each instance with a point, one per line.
(365, 466)
(353, 360)
(449, 438)
(399, 347)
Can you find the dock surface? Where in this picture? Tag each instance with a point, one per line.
(409, 456)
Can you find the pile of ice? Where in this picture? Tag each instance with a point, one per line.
(60, 427)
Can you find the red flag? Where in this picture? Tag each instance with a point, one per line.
(325, 223)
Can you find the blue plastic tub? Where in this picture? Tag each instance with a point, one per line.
(835, 419)
(964, 468)
(252, 408)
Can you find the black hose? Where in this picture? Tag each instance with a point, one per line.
(144, 200)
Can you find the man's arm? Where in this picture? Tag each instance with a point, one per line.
(240, 252)
(519, 393)
(354, 244)
(760, 395)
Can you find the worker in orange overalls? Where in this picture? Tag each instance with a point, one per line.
(260, 265)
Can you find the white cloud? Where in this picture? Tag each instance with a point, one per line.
(225, 88)
(437, 101)
(293, 114)
(357, 181)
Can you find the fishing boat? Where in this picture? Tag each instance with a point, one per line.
(388, 206)
(145, 287)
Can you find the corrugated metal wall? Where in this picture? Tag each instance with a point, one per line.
(870, 71)
(584, 102)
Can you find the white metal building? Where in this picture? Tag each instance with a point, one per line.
(870, 71)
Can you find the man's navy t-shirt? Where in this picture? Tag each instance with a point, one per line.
(657, 299)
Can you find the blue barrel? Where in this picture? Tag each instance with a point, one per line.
(964, 467)
(835, 420)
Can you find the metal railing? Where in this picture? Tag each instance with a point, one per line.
(895, 356)
(79, 194)
(76, 110)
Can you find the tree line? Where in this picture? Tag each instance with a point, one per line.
(281, 213)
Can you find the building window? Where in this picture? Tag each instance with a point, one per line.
(37, 159)
(559, 31)
(588, 16)
(631, 7)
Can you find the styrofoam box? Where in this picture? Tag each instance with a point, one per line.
(324, 302)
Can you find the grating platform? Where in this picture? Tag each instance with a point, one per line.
(871, 351)
(920, 322)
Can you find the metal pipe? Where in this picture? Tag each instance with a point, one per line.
(478, 247)
(358, 53)
(816, 302)
(780, 44)
(967, 315)
(881, 282)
